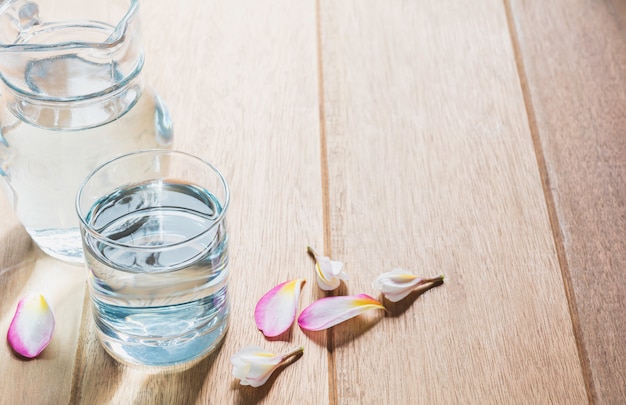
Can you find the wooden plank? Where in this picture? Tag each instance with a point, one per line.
(573, 58)
(432, 169)
(47, 378)
(240, 79)
(25, 270)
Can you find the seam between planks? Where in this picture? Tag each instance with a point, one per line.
(557, 234)
(332, 374)
(79, 361)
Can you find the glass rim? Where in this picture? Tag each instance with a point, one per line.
(97, 235)
(119, 32)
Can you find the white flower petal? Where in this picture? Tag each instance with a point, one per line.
(32, 326)
(254, 366)
(398, 284)
(329, 273)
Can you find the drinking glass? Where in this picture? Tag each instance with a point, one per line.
(153, 227)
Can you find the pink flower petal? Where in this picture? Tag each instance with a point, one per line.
(276, 310)
(32, 326)
(330, 311)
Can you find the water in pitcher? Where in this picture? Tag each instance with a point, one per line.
(47, 166)
(62, 116)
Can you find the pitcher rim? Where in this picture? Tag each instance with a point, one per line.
(113, 40)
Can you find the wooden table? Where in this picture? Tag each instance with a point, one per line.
(483, 140)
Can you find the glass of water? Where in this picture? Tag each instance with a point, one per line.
(156, 246)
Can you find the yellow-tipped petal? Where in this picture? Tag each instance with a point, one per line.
(329, 273)
(398, 284)
(31, 328)
(276, 310)
(253, 366)
(330, 311)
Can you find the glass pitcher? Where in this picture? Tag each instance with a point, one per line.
(72, 97)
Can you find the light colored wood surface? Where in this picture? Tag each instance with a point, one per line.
(25, 270)
(389, 134)
(432, 169)
(576, 89)
(242, 89)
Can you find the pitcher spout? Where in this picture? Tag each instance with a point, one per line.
(46, 56)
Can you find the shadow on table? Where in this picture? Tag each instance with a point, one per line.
(352, 329)
(15, 263)
(15, 247)
(99, 379)
(177, 387)
(398, 308)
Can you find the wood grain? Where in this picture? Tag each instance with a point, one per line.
(25, 270)
(573, 57)
(480, 140)
(240, 79)
(432, 169)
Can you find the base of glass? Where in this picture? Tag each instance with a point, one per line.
(168, 358)
(62, 244)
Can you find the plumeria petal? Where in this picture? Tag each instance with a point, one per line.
(330, 311)
(276, 310)
(397, 284)
(32, 326)
(329, 273)
(253, 366)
